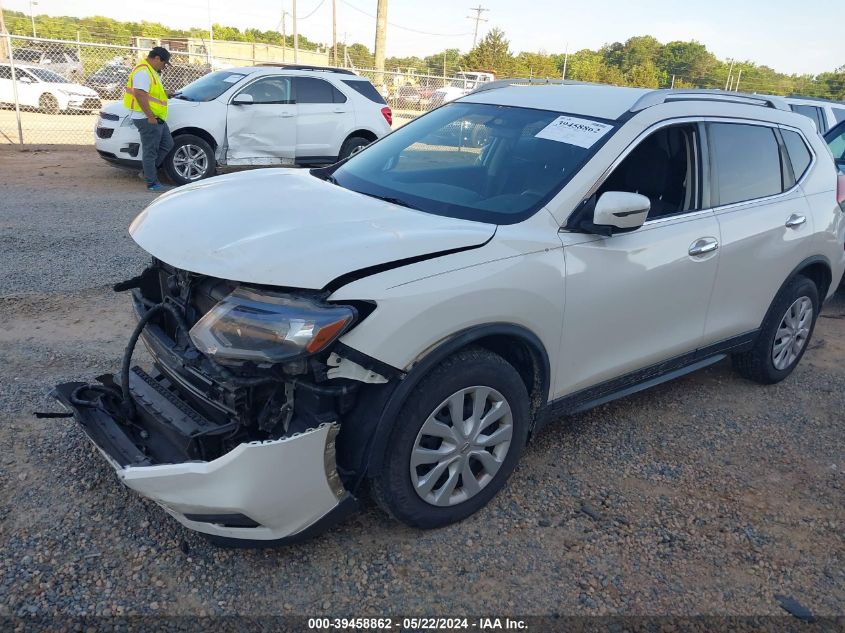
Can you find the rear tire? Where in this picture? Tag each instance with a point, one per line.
(465, 425)
(785, 334)
(352, 145)
(48, 104)
(190, 160)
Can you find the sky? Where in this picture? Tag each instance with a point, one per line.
(788, 36)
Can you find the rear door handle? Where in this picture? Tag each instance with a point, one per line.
(795, 220)
(287, 115)
(340, 111)
(703, 246)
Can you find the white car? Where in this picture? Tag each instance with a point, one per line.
(263, 115)
(41, 89)
(462, 84)
(407, 319)
(824, 113)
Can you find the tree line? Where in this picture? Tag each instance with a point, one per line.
(640, 61)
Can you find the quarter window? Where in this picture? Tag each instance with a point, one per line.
(839, 114)
(5, 72)
(799, 155)
(747, 162)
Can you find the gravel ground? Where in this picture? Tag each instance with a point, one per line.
(709, 495)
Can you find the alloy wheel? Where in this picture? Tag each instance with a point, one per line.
(190, 162)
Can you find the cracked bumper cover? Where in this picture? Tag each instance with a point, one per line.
(288, 487)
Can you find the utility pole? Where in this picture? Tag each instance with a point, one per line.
(284, 34)
(730, 72)
(565, 62)
(381, 37)
(334, 32)
(210, 36)
(4, 55)
(295, 36)
(32, 15)
(738, 77)
(478, 11)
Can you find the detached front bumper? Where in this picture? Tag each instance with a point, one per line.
(259, 493)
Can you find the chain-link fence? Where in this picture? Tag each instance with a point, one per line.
(51, 91)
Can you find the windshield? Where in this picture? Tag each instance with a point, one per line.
(48, 75)
(210, 86)
(480, 162)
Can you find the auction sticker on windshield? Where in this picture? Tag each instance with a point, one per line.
(233, 79)
(574, 131)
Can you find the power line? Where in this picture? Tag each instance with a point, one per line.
(317, 8)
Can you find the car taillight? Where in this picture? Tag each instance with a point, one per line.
(840, 190)
(387, 113)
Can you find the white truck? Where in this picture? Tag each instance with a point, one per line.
(462, 84)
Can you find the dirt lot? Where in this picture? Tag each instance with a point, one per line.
(710, 495)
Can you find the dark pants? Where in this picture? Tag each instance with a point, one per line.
(156, 142)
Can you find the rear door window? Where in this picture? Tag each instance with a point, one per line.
(839, 114)
(746, 162)
(310, 90)
(5, 72)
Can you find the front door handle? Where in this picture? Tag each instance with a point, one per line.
(340, 111)
(703, 246)
(795, 220)
(287, 115)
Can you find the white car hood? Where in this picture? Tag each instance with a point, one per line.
(285, 227)
(74, 89)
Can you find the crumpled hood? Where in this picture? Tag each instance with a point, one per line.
(285, 227)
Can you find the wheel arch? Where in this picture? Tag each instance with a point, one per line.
(196, 131)
(363, 132)
(515, 343)
(817, 269)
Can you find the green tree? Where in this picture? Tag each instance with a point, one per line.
(491, 54)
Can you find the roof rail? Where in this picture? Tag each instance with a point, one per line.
(806, 98)
(517, 81)
(327, 69)
(656, 97)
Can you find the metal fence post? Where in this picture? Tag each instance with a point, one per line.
(15, 87)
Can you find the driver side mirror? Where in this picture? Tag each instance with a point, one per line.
(621, 210)
(243, 99)
(24, 79)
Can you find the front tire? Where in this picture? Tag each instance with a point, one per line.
(48, 104)
(190, 160)
(785, 334)
(456, 441)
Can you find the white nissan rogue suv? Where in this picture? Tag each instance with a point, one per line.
(409, 318)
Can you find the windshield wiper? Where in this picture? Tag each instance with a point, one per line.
(179, 95)
(391, 200)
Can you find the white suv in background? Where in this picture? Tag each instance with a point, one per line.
(263, 115)
(407, 319)
(826, 114)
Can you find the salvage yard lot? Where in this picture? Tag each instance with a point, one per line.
(709, 495)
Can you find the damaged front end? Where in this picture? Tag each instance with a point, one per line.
(234, 432)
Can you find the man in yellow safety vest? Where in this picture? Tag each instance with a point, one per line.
(145, 96)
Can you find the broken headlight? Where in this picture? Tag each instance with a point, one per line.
(268, 328)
